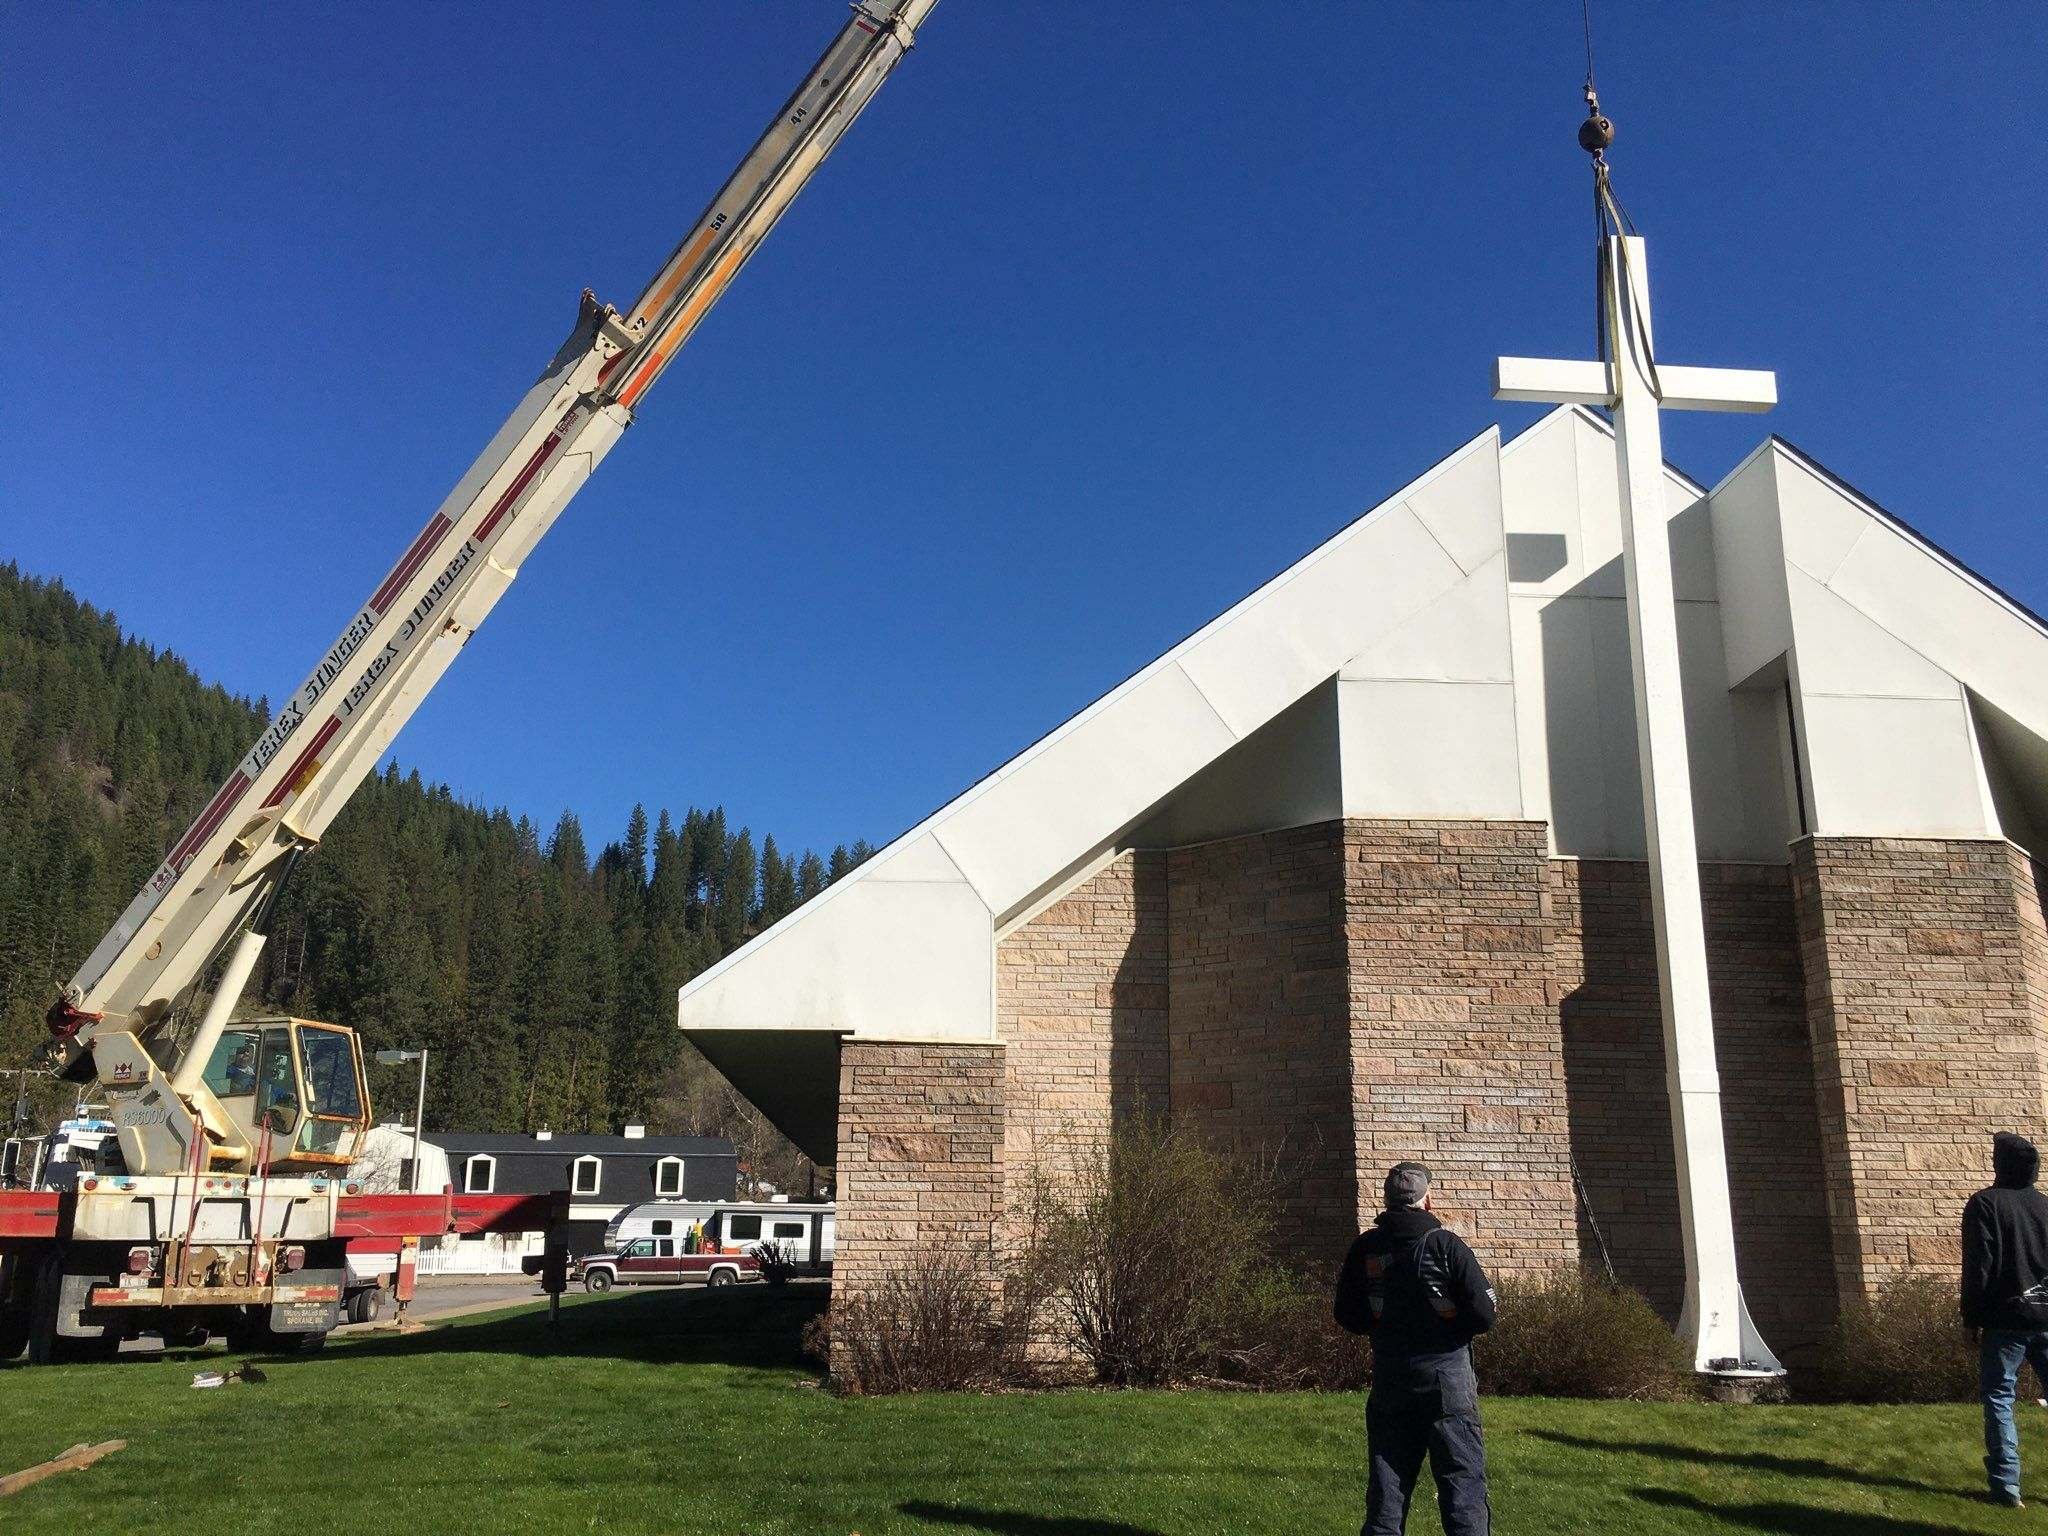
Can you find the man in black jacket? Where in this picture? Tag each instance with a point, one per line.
(2005, 1293)
(1413, 1287)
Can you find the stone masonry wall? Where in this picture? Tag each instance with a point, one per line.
(1081, 1006)
(1454, 1048)
(1926, 967)
(1257, 1018)
(920, 1153)
(1604, 973)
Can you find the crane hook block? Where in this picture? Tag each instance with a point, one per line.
(1596, 133)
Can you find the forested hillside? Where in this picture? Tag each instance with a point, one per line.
(541, 976)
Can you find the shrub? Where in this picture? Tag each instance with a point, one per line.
(1573, 1333)
(928, 1325)
(777, 1261)
(1284, 1339)
(1905, 1344)
(1142, 1252)
(816, 1340)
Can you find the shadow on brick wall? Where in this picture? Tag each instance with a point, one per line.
(1619, 1105)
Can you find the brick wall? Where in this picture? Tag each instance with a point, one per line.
(920, 1152)
(1925, 965)
(1454, 1048)
(1081, 1008)
(1604, 972)
(1257, 1017)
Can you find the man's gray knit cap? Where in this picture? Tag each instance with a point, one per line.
(1406, 1184)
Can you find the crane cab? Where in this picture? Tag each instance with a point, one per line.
(296, 1085)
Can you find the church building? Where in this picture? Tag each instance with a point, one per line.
(1357, 873)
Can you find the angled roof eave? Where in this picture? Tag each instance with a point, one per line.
(1057, 858)
(1900, 526)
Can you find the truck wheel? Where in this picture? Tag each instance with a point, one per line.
(598, 1280)
(13, 1332)
(722, 1277)
(258, 1339)
(45, 1345)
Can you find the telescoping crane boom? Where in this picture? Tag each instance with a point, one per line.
(185, 1110)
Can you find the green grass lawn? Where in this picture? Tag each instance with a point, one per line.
(667, 1412)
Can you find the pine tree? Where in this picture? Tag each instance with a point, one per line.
(543, 988)
(778, 884)
(810, 876)
(629, 901)
(737, 894)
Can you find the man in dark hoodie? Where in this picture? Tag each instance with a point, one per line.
(2005, 1293)
(1414, 1288)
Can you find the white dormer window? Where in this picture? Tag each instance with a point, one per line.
(583, 1176)
(668, 1176)
(480, 1174)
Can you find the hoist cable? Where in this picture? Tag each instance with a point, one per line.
(1586, 11)
(1611, 221)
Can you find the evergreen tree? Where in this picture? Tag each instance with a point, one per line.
(630, 900)
(810, 876)
(778, 884)
(544, 988)
(737, 896)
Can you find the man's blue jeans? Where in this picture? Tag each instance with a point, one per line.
(2003, 1350)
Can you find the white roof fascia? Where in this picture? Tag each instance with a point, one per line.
(1172, 689)
(1934, 604)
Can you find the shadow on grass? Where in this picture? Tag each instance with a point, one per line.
(1009, 1522)
(1755, 1461)
(206, 1355)
(1791, 1519)
(744, 1325)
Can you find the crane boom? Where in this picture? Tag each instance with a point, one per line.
(217, 879)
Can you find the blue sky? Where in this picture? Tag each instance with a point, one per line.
(1100, 315)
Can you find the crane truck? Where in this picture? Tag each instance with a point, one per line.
(223, 1199)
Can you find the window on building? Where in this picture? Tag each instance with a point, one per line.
(668, 1176)
(583, 1176)
(480, 1174)
(740, 1228)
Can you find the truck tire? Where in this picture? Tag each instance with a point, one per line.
(48, 1346)
(13, 1332)
(722, 1277)
(15, 1299)
(599, 1280)
(258, 1338)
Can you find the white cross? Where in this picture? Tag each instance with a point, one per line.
(1635, 386)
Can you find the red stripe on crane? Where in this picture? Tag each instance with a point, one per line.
(290, 781)
(402, 572)
(223, 802)
(518, 486)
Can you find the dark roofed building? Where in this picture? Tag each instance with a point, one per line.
(603, 1174)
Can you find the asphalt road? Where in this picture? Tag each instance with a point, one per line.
(448, 1295)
